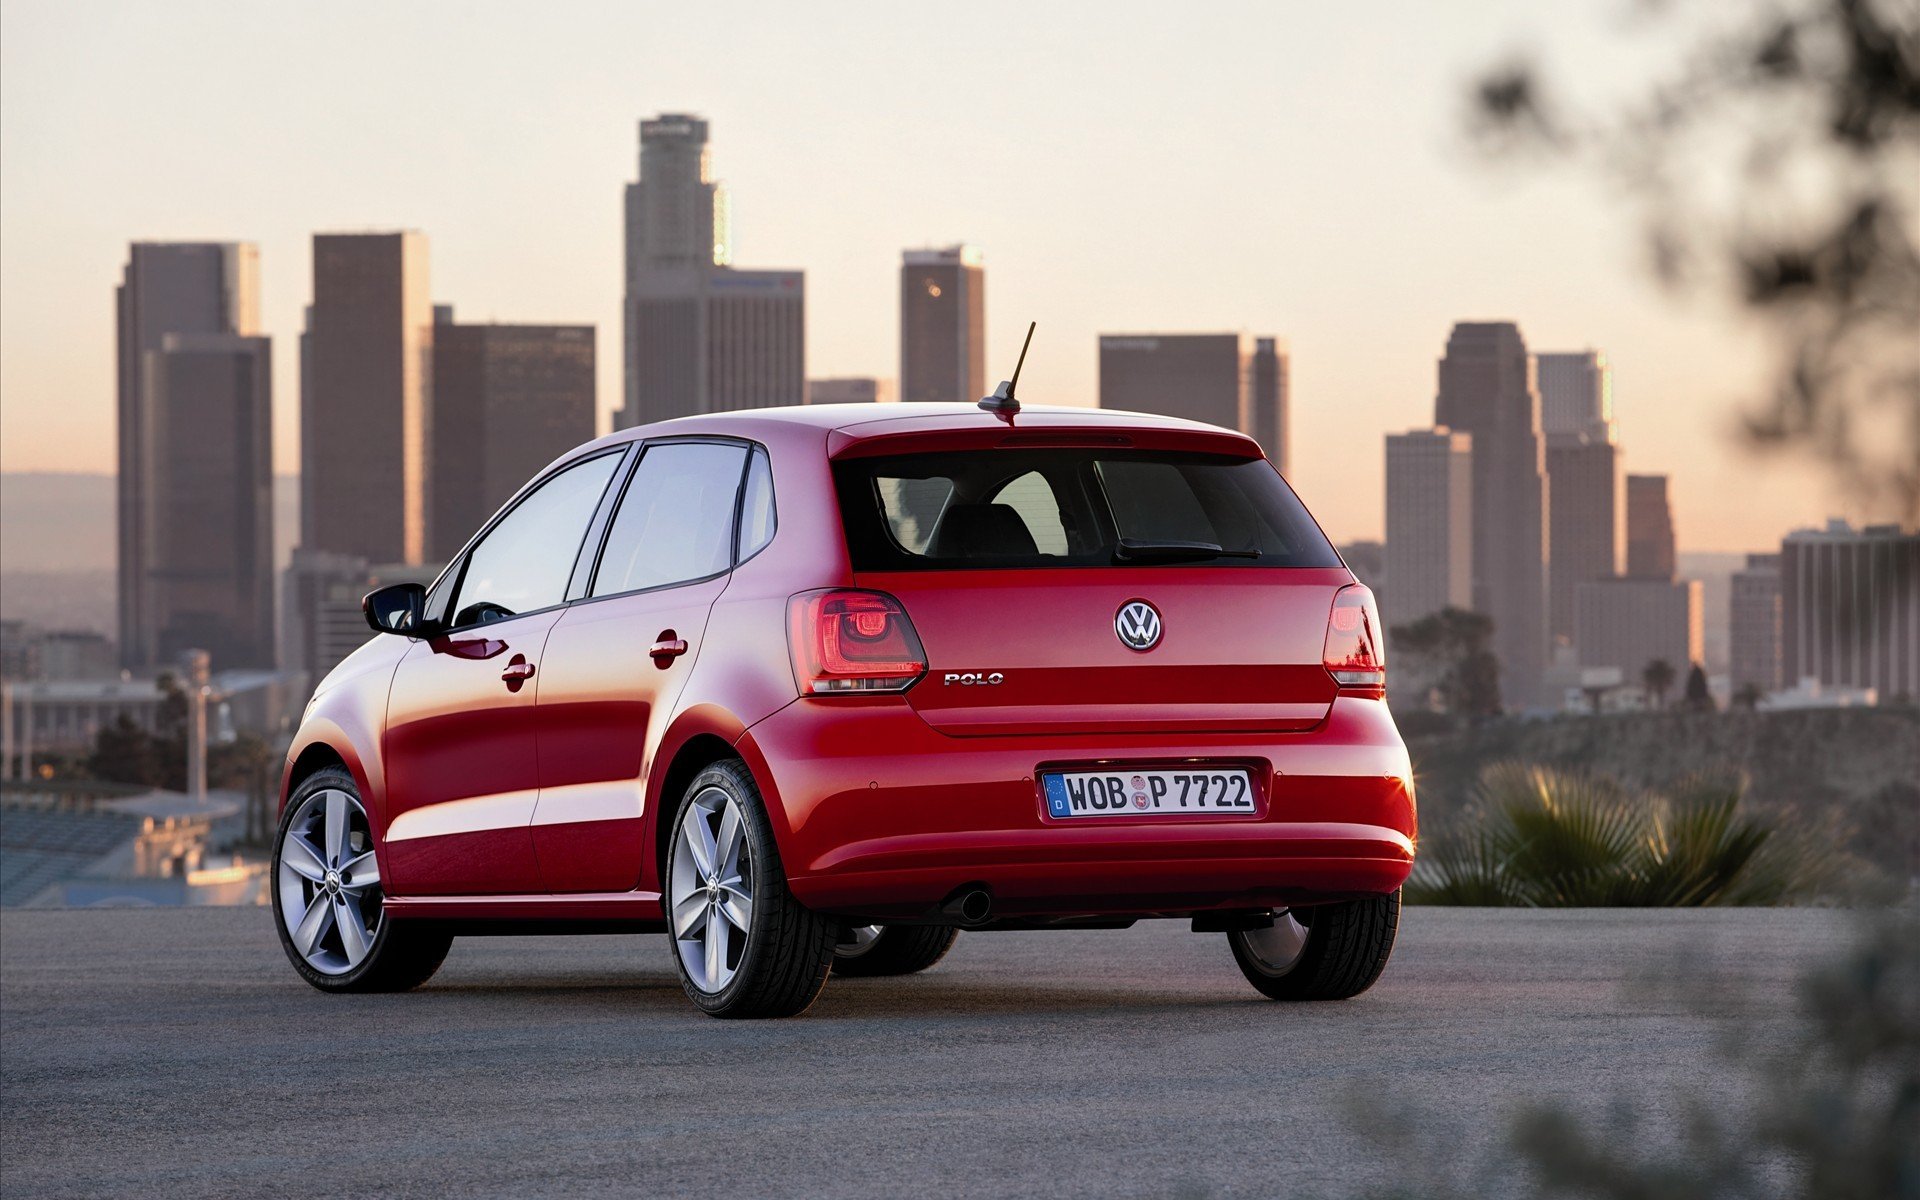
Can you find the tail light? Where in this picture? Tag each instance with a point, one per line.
(1356, 654)
(848, 641)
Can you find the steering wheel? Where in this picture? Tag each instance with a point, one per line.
(482, 612)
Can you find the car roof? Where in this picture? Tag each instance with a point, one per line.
(857, 421)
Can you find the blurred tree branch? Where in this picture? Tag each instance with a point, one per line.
(1780, 167)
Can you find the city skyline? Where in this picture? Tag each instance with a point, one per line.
(1362, 293)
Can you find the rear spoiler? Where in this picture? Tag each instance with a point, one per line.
(909, 436)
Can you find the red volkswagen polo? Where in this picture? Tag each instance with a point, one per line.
(810, 690)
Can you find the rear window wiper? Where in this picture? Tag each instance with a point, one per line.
(1142, 550)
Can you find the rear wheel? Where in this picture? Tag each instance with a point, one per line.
(328, 902)
(743, 945)
(892, 949)
(1327, 952)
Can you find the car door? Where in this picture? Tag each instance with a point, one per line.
(617, 660)
(460, 748)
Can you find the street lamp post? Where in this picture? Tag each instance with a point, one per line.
(197, 666)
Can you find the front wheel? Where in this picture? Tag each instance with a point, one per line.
(892, 949)
(328, 902)
(1327, 952)
(743, 945)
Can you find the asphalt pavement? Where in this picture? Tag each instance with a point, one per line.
(173, 1052)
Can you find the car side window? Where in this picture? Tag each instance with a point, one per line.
(912, 506)
(675, 522)
(757, 517)
(523, 562)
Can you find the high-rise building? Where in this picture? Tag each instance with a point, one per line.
(1429, 556)
(700, 336)
(76, 654)
(320, 598)
(321, 624)
(210, 497)
(943, 325)
(1487, 390)
(1576, 394)
(1850, 608)
(507, 400)
(1271, 400)
(1583, 522)
(165, 288)
(1650, 548)
(850, 389)
(1628, 623)
(366, 406)
(1226, 379)
(1754, 625)
(1367, 559)
(676, 211)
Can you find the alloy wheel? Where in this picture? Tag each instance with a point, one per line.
(863, 937)
(1275, 950)
(710, 889)
(329, 883)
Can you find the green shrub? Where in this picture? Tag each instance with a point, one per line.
(1537, 837)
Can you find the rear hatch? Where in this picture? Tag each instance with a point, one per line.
(1111, 587)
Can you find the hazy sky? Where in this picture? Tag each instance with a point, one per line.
(1277, 168)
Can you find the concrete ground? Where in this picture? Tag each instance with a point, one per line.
(174, 1053)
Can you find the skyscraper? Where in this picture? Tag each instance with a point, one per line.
(1226, 379)
(1199, 376)
(850, 389)
(943, 325)
(1650, 550)
(210, 577)
(676, 212)
(507, 400)
(1429, 524)
(1271, 399)
(1584, 521)
(1754, 625)
(1576, 394)
(320, 607)
(166, 288)
(1627, 623)
(1850, 608)
(700, 336)
(1487, 390)
(366, 405)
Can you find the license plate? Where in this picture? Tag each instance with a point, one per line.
(1156, 793)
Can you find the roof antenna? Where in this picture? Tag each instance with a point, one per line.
(1002, 403)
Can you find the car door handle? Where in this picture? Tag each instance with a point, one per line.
(666, 648)
(518, 672)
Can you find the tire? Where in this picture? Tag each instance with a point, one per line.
(744, 947)
(1327, 952)
(313, 866)
(895, 950)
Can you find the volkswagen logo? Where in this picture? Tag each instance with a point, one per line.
(1137, 624)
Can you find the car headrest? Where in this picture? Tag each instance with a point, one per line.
(983, 531)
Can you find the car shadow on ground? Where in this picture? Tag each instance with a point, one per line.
(906, 999)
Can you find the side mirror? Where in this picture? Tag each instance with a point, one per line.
(397, 608)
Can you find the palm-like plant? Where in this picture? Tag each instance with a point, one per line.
(1544, 838)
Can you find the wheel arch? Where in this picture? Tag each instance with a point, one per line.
(317, 757)
(695, 754)
(322, 745)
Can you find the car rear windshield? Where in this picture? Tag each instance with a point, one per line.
(1073, 508)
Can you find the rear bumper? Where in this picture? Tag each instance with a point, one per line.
(880, 816)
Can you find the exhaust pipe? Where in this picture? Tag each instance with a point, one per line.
(972, 906)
